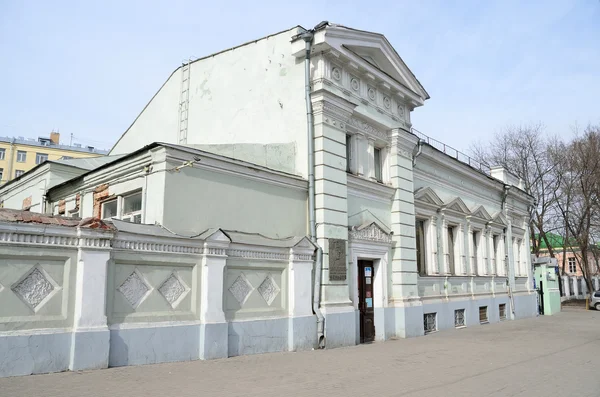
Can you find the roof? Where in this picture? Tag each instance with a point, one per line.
(20, 216)
(119, 158)
(34, 142)
(89, 163)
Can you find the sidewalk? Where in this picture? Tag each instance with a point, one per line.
(544, 356)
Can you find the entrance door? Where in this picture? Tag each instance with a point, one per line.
(365, 301)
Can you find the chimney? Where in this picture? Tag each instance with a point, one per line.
(55, 137)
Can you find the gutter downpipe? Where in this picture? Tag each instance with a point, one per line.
(308, 37)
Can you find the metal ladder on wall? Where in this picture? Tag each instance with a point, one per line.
(184, 102)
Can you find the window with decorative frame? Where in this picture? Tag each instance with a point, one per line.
(451, 247)
(475, 252)
(377, 172)
(459, 318)
(429, 322)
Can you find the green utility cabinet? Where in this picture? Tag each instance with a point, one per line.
(546, 283)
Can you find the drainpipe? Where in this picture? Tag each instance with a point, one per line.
(308, 37)
(417, 152)
(504, 196)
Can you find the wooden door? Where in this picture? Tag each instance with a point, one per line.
(365, 301)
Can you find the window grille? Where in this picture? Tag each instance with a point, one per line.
(502, 310)
(459, 318)
(483, 315)
(429, 322)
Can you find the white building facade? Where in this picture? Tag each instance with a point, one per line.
(408, 239)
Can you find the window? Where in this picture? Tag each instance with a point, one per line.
(21, 156)
(420, 231)
(109, 209)
(495, 261)
(483, 316)
(127, 208)
(450, 254)
(572, 265)
(377, 155)
(429, 322)
(348, 152)
(502, 311)
(132, 208)
(1, 173)
(66, 158)
(74, 214)
(18, 173)
(571, 287)
(459, 318)
(40, 158)
(2, 153)
(474, 254)
(597, 294)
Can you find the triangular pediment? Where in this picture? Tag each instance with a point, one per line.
(500, 219)
(373, 50)
(481, 213)
(305, 243)
(365, 218)
(457, 205)
(217, 235)
(428, 196)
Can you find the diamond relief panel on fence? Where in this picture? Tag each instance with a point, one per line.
(151, 291)
(36, 293)
(255, 289)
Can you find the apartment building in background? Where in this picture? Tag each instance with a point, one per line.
(19, 155)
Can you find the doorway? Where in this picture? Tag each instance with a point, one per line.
(365, 301)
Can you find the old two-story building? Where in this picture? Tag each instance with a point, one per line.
(300, 141)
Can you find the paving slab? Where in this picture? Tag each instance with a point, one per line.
(544, 356)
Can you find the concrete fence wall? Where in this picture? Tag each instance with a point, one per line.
(74, 297)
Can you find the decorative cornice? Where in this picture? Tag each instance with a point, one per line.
(252, 254)
(370, 233)
(145, 246)
(367, 128)
(38, 239)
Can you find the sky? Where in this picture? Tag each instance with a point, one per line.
(88, 68)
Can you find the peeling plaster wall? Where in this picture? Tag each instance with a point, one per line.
(250, 94)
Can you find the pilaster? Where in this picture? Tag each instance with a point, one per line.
(213, 328)
(404, 264)
(89, 324)
(302, 322)
(331, 114)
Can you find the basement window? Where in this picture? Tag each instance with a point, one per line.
(483, 315)
(459, 318)
(429, 322)
(502, 311)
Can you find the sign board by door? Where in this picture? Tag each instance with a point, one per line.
(337, 260)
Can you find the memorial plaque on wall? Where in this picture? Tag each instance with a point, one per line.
(337, 260)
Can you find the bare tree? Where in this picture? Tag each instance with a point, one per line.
(577, 197)
(523, 151)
